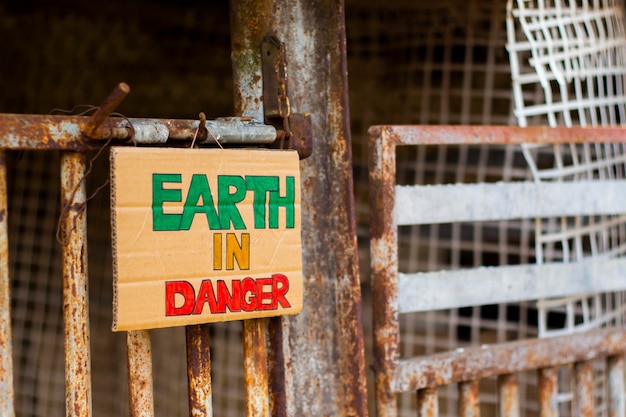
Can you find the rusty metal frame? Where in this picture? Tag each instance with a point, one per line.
(424, 374)
(6, 348)
(318, 355)
(74, 136)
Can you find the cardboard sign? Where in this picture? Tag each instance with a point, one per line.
(204, 235)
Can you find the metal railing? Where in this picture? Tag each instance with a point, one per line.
(395, 293)
(73, 136)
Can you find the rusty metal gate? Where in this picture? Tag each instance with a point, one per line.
(395, 292)
(331, 378)
(74, 136)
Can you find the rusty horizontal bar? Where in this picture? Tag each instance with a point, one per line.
(494, 135)
(28, 131)
(492, 360)
(6, 360)
(75, 300)
(140, 387)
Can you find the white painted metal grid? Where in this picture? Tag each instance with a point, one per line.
(576, 52)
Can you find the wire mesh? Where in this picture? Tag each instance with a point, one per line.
(443, 63)
(576, 54)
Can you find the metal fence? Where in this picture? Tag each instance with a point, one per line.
(396, 293)
(74, 136)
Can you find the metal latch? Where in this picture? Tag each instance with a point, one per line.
(294, 130)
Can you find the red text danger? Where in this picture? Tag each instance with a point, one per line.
(237, 295)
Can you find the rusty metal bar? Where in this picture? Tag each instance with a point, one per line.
(506, 358)
(199, 371)
(327, 363)
(583, 393)
(107, 107)
(548, 392)
(249, 25)
(255, 368)
(250, 22)
(617, 393)
(28, 131)
(508, 395)
(384, 259)
(7, 407)
(469, 399)
(427, 402)
(276, 355)
(140, 387)
(495, 135)
(75, 298)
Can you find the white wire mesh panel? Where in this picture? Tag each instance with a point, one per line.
(576, 55)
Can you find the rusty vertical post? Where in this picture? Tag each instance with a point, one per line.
(75, 296)
(327, 363)
(508, 395)
(384, 255)
(140, 387)
(427, 402)
(469, 402)
(6, 343)
(249, 24)
(615, 371)
(583, 389)
(255, 368)
(548, 392)
(250, 21)
(199, 371)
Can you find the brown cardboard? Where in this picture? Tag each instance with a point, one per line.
(238, 263)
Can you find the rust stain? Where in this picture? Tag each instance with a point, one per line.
(583, 391)
(508, 395)
(277, 368)
(548, 391)
(107, 107)
(383, 269)
(496, 135)
(75, 302)
(427, 402)
(469, 401)
(141, 395)
(27, 131)
(255, 367)
(6, 354)
(199, 370)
